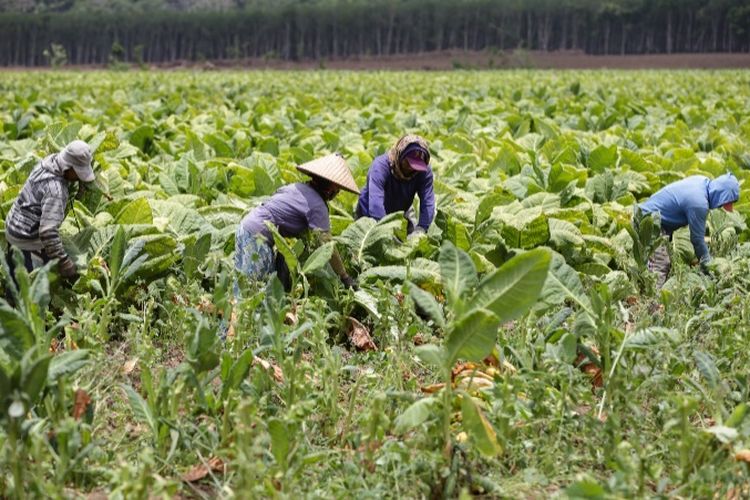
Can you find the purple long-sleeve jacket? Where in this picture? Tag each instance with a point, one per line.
(384, 193)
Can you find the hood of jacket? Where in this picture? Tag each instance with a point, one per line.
(722, 190)
(51, 168)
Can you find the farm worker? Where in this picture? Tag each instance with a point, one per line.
(392, 181)
(686, 203)
(294, 209)
(33, 223)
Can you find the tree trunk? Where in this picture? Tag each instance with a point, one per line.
(389, 33)
(715, 34)
(669, 32)
(606, 36)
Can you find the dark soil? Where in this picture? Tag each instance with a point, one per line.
(455, 59)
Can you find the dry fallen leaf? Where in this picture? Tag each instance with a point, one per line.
(214, 464)
(503, 366)
(232, 321)
(474, 383)
(278, 375)
(594, 372)
(81, 404)
(129, 366)
(290, 318)
(179, 300)
(509, 367)
(742, 456)
(491, 360)
(359, 336)
(205, 306)
(737, 493)
(431, 389)
(460, 367)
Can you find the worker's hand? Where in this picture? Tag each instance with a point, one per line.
(350, 282)
(68, 269)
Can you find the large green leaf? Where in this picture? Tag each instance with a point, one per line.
(284, 248)
(16, 335)
(140, 408)
(563, 233)
(202, 347)
(707, 368)
(67, 363)
(195, 254)
(513, 288)
(416, 414)
(237, 373)
(219, 145)
(181, 220)
(563, 284)
(457, 271)
(142, 138)
(477, 426)
(319, 258)
(602, 158)
(432, 355)
(280, 440)
(427, 302)
(117, 254)
(137, 211)
(365, 233)
(472, 337)
(422, 272)
(34, 374)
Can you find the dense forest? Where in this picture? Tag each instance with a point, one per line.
(35, 32)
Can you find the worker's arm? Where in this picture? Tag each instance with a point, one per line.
(336, 263)
(53, 214)
(426, 202)
(696, 217)
(376, 191)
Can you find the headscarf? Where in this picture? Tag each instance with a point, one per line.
(397, 151)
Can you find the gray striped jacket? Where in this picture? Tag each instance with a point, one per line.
(39, 210)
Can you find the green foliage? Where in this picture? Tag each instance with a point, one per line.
(471, 333)
(489, 330)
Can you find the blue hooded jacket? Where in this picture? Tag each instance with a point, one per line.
(687, 202)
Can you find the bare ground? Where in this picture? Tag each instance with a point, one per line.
(447, 60)
(458, 59)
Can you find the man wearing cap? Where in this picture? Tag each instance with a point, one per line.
(294, 209)
(33, 223)
(394, 178)
(686, 203)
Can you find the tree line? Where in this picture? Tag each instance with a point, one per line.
(329, 30)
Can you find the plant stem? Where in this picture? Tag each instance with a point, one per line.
(18, 491)
(350, 412)
(447, 398)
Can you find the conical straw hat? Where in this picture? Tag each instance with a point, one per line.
(332, 168)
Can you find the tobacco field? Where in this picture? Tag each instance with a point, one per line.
(520, 349)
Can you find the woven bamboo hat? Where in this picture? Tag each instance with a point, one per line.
(331, 168)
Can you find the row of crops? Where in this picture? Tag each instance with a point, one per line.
(521, 348)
